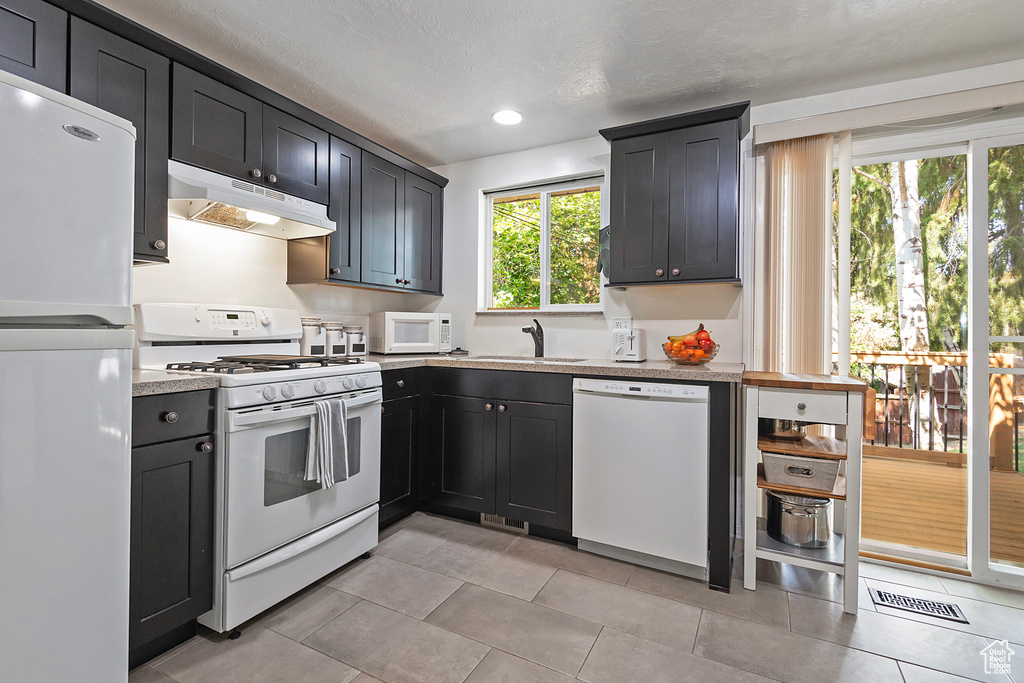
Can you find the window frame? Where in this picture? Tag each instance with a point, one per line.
(545, 190)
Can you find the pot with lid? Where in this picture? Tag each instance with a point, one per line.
(799, 521)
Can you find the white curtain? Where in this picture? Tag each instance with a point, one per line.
(797, 297)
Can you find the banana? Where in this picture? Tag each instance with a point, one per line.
(680, 337)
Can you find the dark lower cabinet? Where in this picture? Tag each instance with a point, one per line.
(533, 463)
(511, 455)
(172, 490)
(132, 82)
(33, 42)
(399, 444)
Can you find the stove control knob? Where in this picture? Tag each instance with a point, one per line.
(320, 386)
(288, 390)
(361, 381)
(348, 383)
(269, 393)
(265, 320)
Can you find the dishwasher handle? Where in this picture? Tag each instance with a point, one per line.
(650, 391)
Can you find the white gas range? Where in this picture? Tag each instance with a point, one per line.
(275, 531)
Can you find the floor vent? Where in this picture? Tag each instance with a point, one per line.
(931, 608)
(504, 523)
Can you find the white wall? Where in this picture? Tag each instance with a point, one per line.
(219, 265)
(661, 310)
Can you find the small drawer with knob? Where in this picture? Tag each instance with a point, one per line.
(400, 383)
(826, 407)
(166, 417)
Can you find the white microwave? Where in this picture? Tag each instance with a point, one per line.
(393, 332)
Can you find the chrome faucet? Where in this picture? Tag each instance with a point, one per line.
(538, 337)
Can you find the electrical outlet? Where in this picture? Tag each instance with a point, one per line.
(622, 323)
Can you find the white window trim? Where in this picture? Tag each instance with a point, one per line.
(545, 190)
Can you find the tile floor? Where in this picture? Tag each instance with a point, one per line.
(443, 601)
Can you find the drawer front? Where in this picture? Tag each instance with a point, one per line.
(828, 407)
(165, 417)
(400, 383)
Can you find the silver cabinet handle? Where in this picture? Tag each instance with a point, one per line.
(255, 173)
(801, 406)
(335, 271)
(488, 406)
(272, 178)
(501, 409)
(400, 383)
(659, 272)
(171, 417)
(382, 410)
(204, 446)
(159, 245)
(675, 271)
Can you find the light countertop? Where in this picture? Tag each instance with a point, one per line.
(148, 382)
(602, 367)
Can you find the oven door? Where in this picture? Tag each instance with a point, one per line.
(267, 501)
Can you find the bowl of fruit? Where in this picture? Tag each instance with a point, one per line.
(695, 348)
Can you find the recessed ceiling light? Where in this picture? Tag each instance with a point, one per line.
(507, 117)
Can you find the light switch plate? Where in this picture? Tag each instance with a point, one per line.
(622, 323)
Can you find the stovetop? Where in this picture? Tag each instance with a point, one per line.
(233, 365)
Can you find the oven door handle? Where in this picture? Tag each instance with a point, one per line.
(270, 416)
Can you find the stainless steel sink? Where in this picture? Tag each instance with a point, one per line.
(526, 359)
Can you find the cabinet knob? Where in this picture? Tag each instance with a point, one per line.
(659, 272)
(159, 245)
(675, 271)
(170, 416)
(255, 173)
(271, 177)
(204, 446)
(488, 406)
(400, 383)
(382, 410)
(335, 271)
(406, 282)
(801, 406)
(398, 280)
(501, 409)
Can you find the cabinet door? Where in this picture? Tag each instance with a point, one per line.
(383, 222)
(705, 195)
(33, 42)
(533, 473)
(463, 474)
(344, 210)
(295, 156)
(399, 486)
(639, 209)
(214, 126)
(128, 80)
(422, 234)
(171, 537)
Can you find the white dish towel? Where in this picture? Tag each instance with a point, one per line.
(327, 459)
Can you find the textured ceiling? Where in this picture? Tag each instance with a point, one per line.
(422, 77)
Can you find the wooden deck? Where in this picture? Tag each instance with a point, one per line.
(924, 505)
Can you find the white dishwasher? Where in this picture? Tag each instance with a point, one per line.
(640, 472)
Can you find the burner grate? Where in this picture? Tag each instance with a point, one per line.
(931, 608)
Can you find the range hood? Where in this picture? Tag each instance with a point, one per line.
(195, 194)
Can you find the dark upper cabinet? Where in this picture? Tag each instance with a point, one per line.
(465, 443)
(33, 42)
(639, 209)
(704, 204)
(533, 472)
(215, 127)
(171, 576)
(675, 198)
(383, 222)
(295, 156)
(344, 209)
(422, 234)
(132, 82)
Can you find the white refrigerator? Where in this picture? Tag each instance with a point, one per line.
(66, 195)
